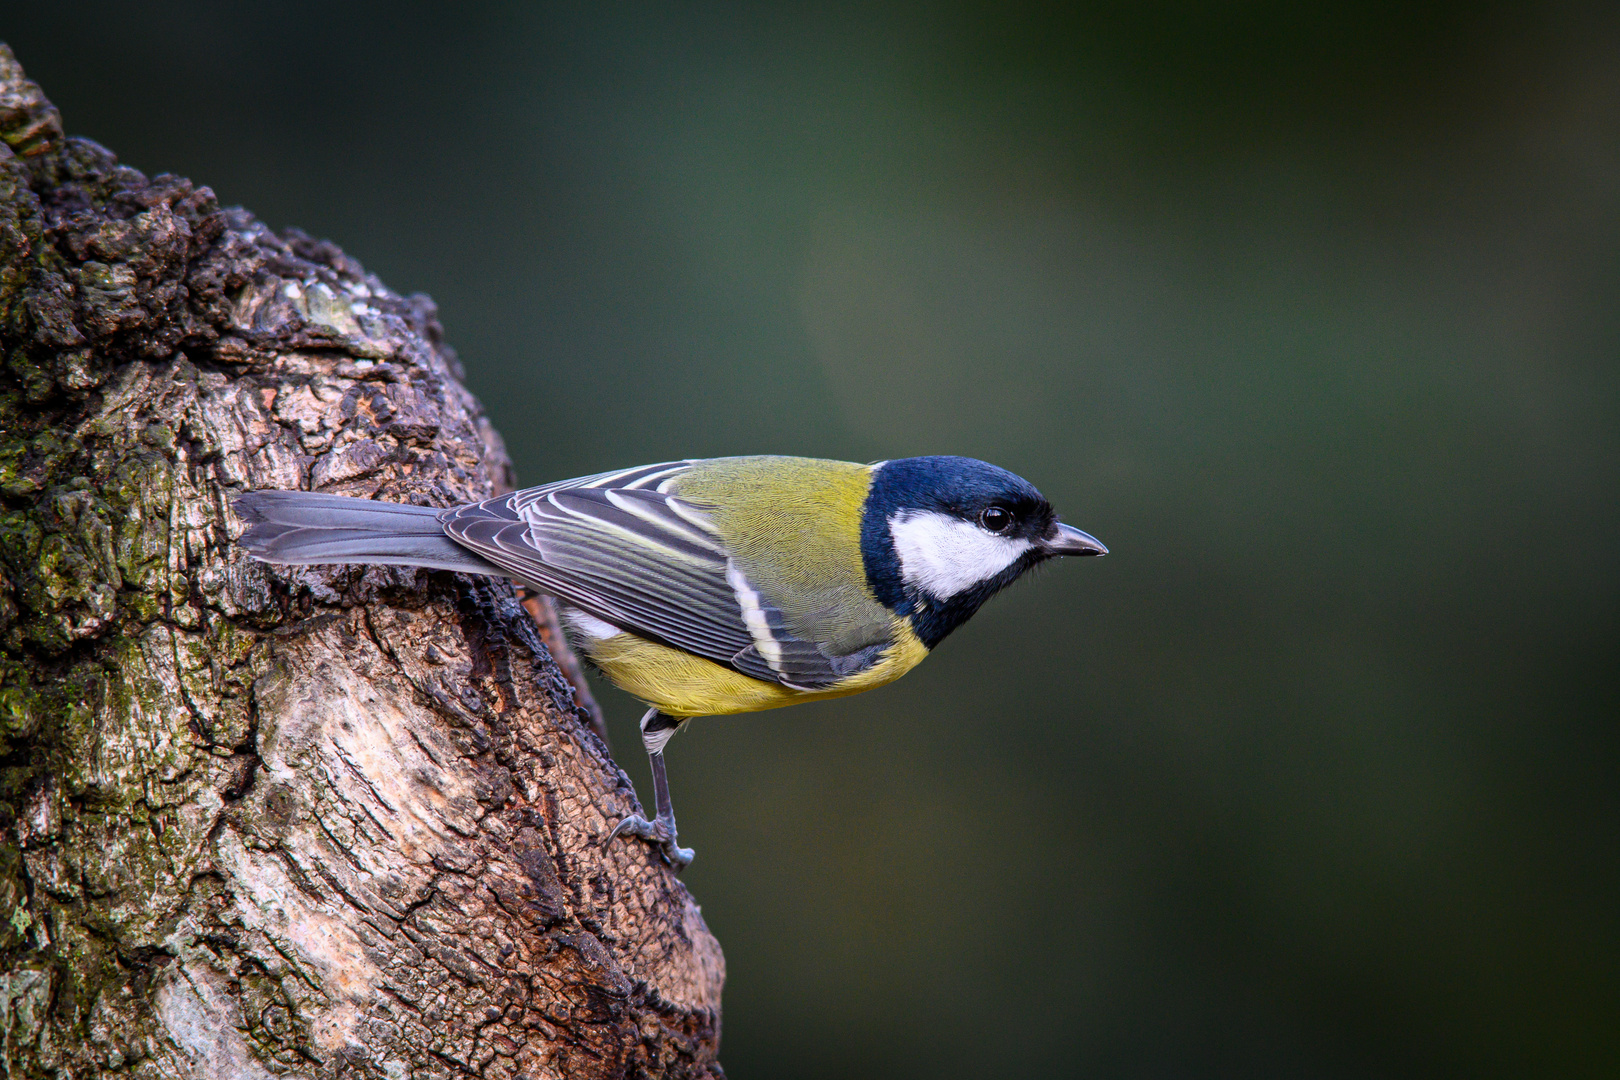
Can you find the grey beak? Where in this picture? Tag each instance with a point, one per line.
(1071, 541)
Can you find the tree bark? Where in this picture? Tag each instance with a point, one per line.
(275, 821)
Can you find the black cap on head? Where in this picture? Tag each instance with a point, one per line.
(1002, 509)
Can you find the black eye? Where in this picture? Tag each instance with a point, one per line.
(996, 519)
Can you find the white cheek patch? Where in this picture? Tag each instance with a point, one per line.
(943, 555)
(588, 626)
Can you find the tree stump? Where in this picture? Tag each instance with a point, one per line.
(275, 821)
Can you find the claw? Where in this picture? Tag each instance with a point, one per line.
(661, 830)
(678, 857)
(633, 826)
(659, 835)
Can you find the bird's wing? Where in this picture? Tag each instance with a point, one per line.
(621, 547)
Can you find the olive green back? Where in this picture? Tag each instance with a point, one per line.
(794, 528)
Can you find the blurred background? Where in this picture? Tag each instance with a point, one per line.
(1310, 312)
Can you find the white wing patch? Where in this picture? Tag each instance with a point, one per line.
(943, 555)
(753, 613)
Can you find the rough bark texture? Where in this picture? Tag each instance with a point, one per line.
(273, 821)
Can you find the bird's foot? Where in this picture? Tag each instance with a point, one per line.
(662, 836)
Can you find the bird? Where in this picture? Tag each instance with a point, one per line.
(708, 587)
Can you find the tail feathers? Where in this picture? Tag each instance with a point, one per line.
(302, 527)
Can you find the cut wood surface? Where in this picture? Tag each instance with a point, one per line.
(281, 821)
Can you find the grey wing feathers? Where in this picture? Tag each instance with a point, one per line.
(582, 545)
(623, 548)
(618, 545)
(303, 527)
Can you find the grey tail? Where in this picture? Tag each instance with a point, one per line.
(303, 527)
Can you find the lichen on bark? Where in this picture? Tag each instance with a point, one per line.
(260, 821)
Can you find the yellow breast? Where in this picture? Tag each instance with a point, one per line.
(683, 685)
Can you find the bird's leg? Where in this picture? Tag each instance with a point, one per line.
(656, 729)
(660, 830)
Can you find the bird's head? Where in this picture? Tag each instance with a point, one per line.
(941, 535)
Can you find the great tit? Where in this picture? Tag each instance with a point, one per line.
(717, 586)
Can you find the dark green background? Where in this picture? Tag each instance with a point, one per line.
(1311, 312)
